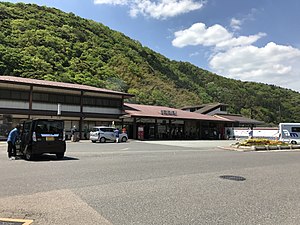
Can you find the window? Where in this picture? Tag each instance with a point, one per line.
(110, 130)
(71, 99)
(99, 101)
(5, 94)
(102, 102)
(107, 129)
(56, 98)
(26, 127)
(296, 129)
(40, 97)
(94, 129)
(223, 108)
(115, 103)
(88, 101)
(75, 100)
(44, 126)
(14, 94)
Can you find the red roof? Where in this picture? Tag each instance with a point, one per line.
(135, 110)
(46, 83)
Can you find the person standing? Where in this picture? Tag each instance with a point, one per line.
(85, 133)
(11, 141)
(124, 130)
(74, 134)
(250, 133)
(117, 134)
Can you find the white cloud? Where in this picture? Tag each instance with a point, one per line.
(194, 54)
(236, 24)
(215, 36)
(160, 9)
(272, 64)
(164, 8)
(111, 2)
(239, 41)
(238, 58)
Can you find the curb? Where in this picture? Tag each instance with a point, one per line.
(265, 148)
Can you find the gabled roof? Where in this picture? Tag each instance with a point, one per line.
(54, 84)
(238, 118)
(135, 110)
(205, 108)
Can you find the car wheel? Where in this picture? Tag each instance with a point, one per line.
(28, 156)
(124, 139)
(60, 155)
(293, 142)
(94, 141)
(102, 140)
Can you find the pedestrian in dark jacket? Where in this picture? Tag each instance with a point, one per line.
(11, 141)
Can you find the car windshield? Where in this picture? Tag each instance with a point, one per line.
(94, 129)
(49, 127)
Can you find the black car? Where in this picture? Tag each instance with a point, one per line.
(41, 136)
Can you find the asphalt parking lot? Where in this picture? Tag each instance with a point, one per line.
(171, 182)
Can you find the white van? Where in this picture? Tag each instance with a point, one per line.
(289, 132)
(104, 134)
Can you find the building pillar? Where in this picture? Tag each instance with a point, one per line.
(134, 129)
(199, 130)
(184, 129)
(170, 129)
(156, 130)
(81, 114)
(30, 101)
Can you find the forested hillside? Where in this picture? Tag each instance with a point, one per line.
(45, 43)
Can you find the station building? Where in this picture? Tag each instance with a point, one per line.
(84, 107)
(219, 110)
(81, 106)
(160, 122)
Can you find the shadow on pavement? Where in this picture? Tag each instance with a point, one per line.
(49, 157)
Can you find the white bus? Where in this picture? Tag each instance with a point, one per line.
(289, 132)
(286, 132)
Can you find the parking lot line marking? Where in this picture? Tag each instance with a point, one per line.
(24, 222)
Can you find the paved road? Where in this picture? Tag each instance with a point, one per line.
(152, 183)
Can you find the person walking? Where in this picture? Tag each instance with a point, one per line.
(11, 141)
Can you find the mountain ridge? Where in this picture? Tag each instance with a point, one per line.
(45, 43)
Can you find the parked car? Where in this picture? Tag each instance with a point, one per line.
(104, 134)
(41, 136)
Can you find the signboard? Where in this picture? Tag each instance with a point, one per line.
(168, 112)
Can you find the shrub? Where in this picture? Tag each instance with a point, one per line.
(257, 141)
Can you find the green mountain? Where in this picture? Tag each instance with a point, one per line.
(46, 43)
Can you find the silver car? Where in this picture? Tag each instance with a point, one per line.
(104, 134)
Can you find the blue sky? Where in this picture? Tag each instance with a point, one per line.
(249, 40)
